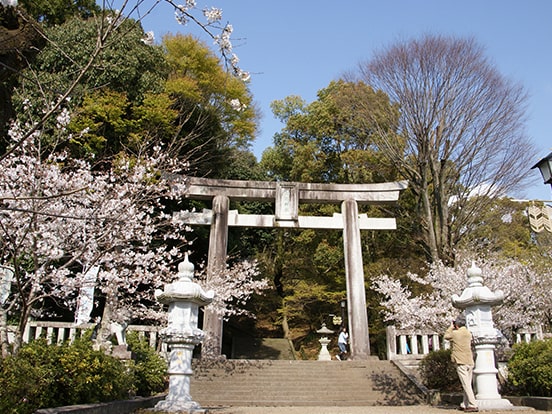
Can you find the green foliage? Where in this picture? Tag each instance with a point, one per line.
(332, 139)
(52, 12)
(25, 384)
(125, 66)
(135, 97)
(438, 371)
(150, 369)
(43, 375)
(116, 125)
(501, 226)
(530, 369)
(216, 111)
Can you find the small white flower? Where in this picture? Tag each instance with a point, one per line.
(180, 18)
(213, 14)
(244, 76)
(227, 31)
(224, 44)
(149, 38)
(63, 118)
(236, 105)
(180, 14)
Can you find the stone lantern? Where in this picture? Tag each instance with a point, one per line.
(184, 298)
(324, 354)
(476, 301)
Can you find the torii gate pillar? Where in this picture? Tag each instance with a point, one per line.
(359, 341)
(216, 262)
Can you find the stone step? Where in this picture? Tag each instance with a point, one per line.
(262, 348)
(307, 383)
(288, 403)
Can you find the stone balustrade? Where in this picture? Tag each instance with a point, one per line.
(58, 332)
(401, 344)
(407, 344)
(529, 334)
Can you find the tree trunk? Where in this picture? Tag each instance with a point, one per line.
(431, 239)
(21, 39)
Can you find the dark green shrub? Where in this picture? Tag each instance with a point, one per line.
(90, 376)
(43, 376)
(25, 384)
(439, 372)
(150, 369)
(530, 369)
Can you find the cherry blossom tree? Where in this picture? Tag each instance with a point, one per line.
(59, 218)
(234, 287)
(527, 301)
(63, 218)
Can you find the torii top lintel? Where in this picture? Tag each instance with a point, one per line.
(379, 193)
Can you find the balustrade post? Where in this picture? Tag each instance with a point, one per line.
(402, 342)
(391, 334)
(425, 344)
(414, 344)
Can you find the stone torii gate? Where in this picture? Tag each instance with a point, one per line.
(287, 196)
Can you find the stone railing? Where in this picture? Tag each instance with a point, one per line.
(406, 344)
(401, 344)
(58, 332)
(529, 334)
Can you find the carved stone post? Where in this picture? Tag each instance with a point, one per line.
(218, 242)
(356, 294)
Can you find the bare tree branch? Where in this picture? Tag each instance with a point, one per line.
(461, 131)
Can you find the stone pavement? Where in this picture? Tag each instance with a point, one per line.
(412, 409)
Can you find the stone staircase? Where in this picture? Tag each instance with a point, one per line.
(300, 383)
(262, 348)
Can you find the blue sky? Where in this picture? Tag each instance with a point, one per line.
(296, 47)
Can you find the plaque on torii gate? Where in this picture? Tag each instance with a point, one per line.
(287, 196)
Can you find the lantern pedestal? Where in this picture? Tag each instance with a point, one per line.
(324, 354)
